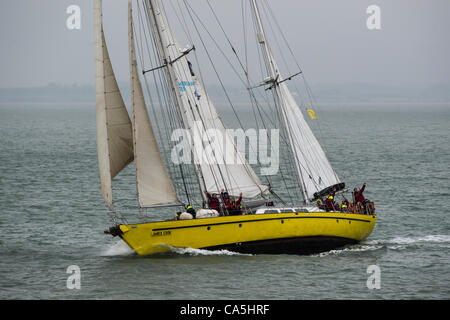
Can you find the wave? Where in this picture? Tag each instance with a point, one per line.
(349, 249)
(120, 248)
(412, 240)
(396, 243)
(203, 252)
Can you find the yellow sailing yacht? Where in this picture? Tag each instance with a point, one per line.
(165, 180)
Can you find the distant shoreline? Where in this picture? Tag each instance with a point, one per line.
(326, 95)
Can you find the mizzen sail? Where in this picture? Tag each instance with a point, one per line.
(114, 134)
(154, 186)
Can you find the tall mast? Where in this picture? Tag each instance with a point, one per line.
(274, 77)
(313, 167)
(157, 24)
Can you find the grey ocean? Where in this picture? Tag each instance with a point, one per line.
(53, 216)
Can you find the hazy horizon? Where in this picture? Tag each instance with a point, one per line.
(330, 39)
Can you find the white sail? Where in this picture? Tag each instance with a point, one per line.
(313, 167)
(312, 164)
(114, 135)
(154, 186)
(226, 168)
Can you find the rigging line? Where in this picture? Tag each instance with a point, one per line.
(220, 49)
(276, 111)
(241, 64)
(215, 42)
(210, 110)
(167, 137)
(173, 166)
(220, 80)
(265, 94)
(289, 162)
(132, 86)
(264, 5)
(245, 34)
(245, 71)
(178, 111)
(181, 71)
(173, 81)
(207, 52)
(309, 170)
(247, 84)
(161, 136)
(226, 36)
(308, 89)
(290, 129)
(265, 126)
(179, 21)
(145, 78)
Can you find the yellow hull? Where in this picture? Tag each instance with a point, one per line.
(292, 233)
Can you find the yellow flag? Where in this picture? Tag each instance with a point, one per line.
(311, 113)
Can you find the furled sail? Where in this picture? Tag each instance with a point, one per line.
(114, 134)
(154, 186)
(219, 164)
(313, 167)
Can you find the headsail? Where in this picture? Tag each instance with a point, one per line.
(312, 165)
(114, 135)
(154, 186)
(215, 170)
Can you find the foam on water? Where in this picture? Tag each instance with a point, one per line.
(412, 240)
(349, 249)
(397, 243)
(120, 248)
(202, 252)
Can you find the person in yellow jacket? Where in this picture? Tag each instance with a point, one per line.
(329, 202)
(344, 206)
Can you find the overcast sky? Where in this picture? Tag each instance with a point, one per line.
(329, 38)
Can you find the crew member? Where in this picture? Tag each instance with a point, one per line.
(190, 210)
(358, 194)
(359, 198)
(213, 201)
(344, 205)
(225, 198)
(329, 203)
(234, 207)
(320, 204)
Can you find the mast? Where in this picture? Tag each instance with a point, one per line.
(199, 115)
(157, 25)
(273, 78)
(313, 168)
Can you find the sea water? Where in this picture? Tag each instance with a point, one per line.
(53, 216)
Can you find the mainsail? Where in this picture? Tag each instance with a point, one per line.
(225, 167)
(114, 134)
(312, 165)
(154, 186)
